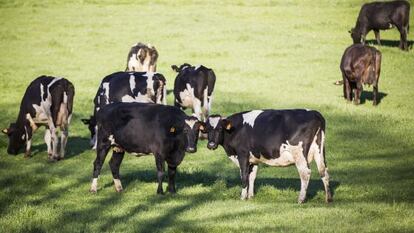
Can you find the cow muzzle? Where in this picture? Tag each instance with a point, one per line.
(212, 145)
(190, 149)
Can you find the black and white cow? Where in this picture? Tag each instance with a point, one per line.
(193, 88)
(378, 16)
(165, 131)
(273, 137)
(142, 87)
(142, 57)
(47, 101)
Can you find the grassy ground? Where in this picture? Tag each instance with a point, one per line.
(266, 54)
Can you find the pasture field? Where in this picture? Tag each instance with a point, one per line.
(266, 54)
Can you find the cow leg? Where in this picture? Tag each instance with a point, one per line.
(55, 143)
(28, 137)
(304, 173)
(197, 108)
(377, 36)
(160, 172)
(101, 152)
(358, 91)
(172, 170)
(403, 37)
(244, 174)
(252, 178)
(347, 90)
(375, 94)
(48, 141)
(64, 133)
(114, 164)
(319, 155)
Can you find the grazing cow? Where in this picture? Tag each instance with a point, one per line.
(273, 137)
(142, 87)
(165, 131)
(47, 101)
(360, 64)
(382, 16)
(193, 88)
(142, 58)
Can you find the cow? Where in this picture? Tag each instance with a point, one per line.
(360, 64)
(143, 87)
(142, 57)
(47, 101)
(165, 131)
(273, 137)
(193, 88)
(382, 16)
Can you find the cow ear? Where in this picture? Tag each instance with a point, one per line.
(227, 124)
(86, 121)
(5, 131)
(175, 68)
(202, 127)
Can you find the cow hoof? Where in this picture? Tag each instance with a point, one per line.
(119, 190)
(160, 192)
(172, 191)
(52, 159)
(329, 200)
(92, 191)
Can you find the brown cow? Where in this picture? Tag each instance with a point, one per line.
(142, 58)
(360, 64)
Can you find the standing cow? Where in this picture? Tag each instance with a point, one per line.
(360, 64)
(142, 87)
(47, 101)
(193, 88)
(273, 137)
(142, 58)
(382, 16)
(165, 131)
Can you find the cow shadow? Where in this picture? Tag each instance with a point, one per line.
(187, 180)
(368, 95)
(391, 43)
(75, 146)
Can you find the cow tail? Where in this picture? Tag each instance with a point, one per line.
(320, 141)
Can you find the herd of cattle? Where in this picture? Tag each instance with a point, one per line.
(131, 113)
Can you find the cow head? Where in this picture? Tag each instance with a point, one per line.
(355, 35)
(91, 123)
(181, 68)
(191, 130)
(215, 127)
(17, 138)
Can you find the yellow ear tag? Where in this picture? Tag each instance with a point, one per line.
(201, 127)
(228, 126)
(172, 130)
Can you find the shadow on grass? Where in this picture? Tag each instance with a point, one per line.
(390, 43)
(368, 95)
(75, 146)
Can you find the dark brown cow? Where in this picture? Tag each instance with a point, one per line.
(378, 16)
(360, 64)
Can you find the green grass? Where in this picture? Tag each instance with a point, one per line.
(266, 54)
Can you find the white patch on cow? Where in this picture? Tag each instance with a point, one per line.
(190, 123)
(150, 82)
(187, 96)
(112, 139)
(139, 98)
(118, 185)
(288, 154)
(132, 83)
(250, 117)
(252, 178)
(94, 140)
(94, 185)
(105, 86)
(234, 159)
(214, 121)
(197, 67)
(97, 109)
(53, 82)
